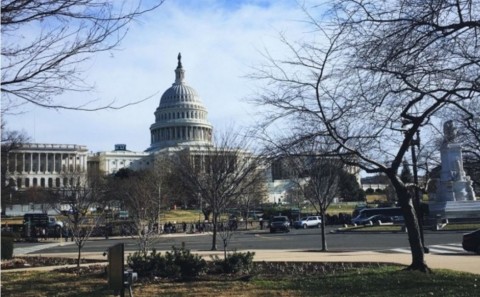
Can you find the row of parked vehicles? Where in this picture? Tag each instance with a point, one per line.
(282, 223)
(470, 241)
(366, 216)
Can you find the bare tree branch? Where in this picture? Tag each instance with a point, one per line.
(45, 43)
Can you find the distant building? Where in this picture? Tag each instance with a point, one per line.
(110, 162)
(44, 165)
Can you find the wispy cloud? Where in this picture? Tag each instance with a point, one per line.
(219, 41)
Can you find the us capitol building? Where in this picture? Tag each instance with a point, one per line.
(180, 122)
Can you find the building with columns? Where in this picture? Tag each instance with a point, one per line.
(109, 162)
(45, 165)
(181, 118)
(180, 123)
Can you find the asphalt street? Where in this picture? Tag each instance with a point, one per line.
(298, 245)
(309, 239)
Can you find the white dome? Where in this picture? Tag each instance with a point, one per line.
(181, 118)
(179, 95)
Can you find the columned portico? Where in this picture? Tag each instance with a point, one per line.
(43, 164)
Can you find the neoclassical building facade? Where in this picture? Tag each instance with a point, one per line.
(109, 162)
(180, 122)
(45, 165)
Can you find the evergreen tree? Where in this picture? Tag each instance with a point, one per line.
(406, 175)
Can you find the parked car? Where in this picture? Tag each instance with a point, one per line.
(471, 241)
(279, 223)
(308, 222)
(359, 220)
(53, 223)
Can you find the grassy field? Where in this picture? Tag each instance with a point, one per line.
(372, 282)
(181, 215)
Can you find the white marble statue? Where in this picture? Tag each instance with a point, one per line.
(453, 184)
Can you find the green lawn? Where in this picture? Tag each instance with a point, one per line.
(381, 281)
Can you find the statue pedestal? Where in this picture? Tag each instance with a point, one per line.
(454, 209)
(453, 184)
(452, 195)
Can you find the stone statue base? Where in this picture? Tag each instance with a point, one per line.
(454, 209)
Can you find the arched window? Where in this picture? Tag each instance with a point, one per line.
(57, 182)
(27, 182)
(65, 181)
(19, 182)
(35, 182)
(42, 182)
(50, 182)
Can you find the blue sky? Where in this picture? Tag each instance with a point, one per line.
(220, 41)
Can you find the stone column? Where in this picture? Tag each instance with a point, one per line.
(75, 163)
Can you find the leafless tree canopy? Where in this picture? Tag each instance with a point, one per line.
(11, 140)
(81, 202)
(45, 42)
(219, 175)
(138, 192)
(372, 74)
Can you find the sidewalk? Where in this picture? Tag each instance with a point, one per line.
(463, 263)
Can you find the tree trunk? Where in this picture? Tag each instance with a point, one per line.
(413, 229)
(79, 257)
(324, 238)
(214, 236)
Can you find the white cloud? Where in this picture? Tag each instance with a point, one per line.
(219, 41)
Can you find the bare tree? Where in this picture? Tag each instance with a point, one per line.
(256, 196)
(81, 203)
(44, 44)
(225, 232)
(219, 175)
(314, 173)
(372, 74)
(140, 195)
(11, 140)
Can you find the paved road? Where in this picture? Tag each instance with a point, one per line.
(440, 242)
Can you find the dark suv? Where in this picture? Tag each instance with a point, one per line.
(279, 223)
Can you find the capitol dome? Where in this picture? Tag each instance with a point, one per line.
(181, 117)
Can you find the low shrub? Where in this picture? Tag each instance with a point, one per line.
(148, 265)
(183, 264)
(235, 263)
(177, 264)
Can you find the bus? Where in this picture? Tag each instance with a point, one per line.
(391, 214)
